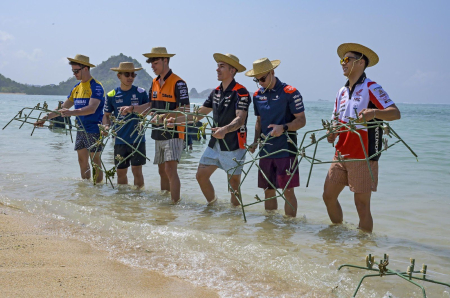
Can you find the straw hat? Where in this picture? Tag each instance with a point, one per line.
(126, 67)
(81, 59)
(262, 66)
(229, 59)
(354, 47)
(158, 52)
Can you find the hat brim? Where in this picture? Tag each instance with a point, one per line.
(125, 70)
(155, 55)
(80, 62)
(225, 59)
(354, 47)
(252, 73)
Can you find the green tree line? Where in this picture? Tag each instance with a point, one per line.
(101, 73)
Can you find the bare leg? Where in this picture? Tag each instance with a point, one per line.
(165, 184)
(362, 202)
(138, 176)
(289, 194)
(98, 162)
(174, 180)
(83, 161)
(270, 204)
(204, 172)
(330, 197)
(234, 182)
(122, 176)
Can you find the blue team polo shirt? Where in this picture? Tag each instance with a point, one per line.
(278, 106)
(81, 95)
(117, 98)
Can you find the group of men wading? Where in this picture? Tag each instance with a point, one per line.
(278, 107)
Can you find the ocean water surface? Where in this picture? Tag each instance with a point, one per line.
(267, 256)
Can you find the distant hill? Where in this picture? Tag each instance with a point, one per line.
(101, 73)
(204, 94)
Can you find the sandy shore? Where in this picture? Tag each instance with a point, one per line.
(35, 264)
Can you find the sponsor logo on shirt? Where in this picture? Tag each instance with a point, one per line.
(358, 99)
(298, 100)
(296, 96)
(181, 84)
(183, 91)
(167, 95)
(262, 98)
(81, 101)
(244, 99)
(343, 93)
(300, 104)
(155, 94)
(358, 93)
(387, 100)
(343, 101)
(276, 98)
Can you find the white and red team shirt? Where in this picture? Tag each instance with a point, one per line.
(365, 94)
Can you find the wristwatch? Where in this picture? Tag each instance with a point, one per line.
(285, 127)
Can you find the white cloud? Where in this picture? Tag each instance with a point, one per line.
(421, 78)
(33, 56)
(5, 36)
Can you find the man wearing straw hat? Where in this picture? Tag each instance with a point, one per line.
(279, 109)
(363, 99)
(226, 150)
(127, 95)
(170, 92)
(88, 98)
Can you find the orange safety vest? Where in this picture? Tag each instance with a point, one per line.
(166, 93)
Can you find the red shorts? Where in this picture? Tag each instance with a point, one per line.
(278, 171)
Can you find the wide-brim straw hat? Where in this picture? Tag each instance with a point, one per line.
(229, 59)
(354, 47)
(262, 66)
(158, 52)
(126, 67)
(81, 59)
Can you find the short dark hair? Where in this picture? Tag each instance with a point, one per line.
(79, 64)
(358, 56)
(232, 67)
(150, 60)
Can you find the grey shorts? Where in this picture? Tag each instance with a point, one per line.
(224, 159)
(168, 150)
(85, 140)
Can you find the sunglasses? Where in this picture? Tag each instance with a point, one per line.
(128, 74)
(346, 59)
(75, 71)
(262, 79)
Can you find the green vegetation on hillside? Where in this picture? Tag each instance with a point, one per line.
(102, 73)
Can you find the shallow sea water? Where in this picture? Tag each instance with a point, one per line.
(267, 256)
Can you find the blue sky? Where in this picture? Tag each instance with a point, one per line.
(412, 39)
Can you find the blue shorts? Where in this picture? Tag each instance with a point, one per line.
(224, 159)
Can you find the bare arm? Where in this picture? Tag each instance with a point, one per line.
(253, 146)
(296, 124)
(88, 110)
(66, 105)
(391, 113)
(106, 121)
(220, 132)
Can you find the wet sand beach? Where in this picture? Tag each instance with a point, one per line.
(36, 264)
